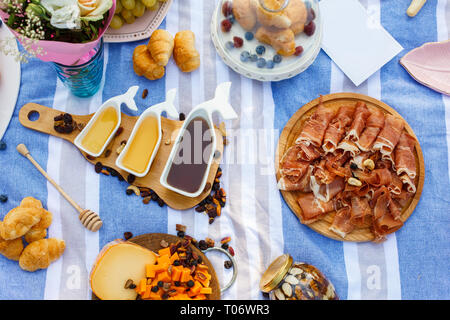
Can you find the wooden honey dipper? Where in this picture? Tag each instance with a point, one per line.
(88, 218)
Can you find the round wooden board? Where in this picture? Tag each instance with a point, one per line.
(44, 124)
(152, 241)
(290, 133)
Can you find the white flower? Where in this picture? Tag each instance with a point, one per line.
(65, 14)
(94, 9)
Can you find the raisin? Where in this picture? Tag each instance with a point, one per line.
(98, 167)
(67, 118)
(180, 234)
(127, 235)
(228, 264)
(182, 116)
(144, 93)
(155, 289)
(160, 284)
(190, 284)
(225, 246)
(3, 198)
(202, 245)
(160, 202)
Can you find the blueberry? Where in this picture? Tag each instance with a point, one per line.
(277, 58)
(249, 35)
(261, 63)
(245, 56)
(229, 45)
(3, 198)
(260, 50)
(231, 19)
(253, 58)
(2, 145)
(270, 64)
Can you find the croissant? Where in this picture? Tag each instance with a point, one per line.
(160, 46)
(11, 249)
(283, 41)
(39, 230)
(19, 221)
(40, 254)
(244, 12)
(186, 56)
(144, 65)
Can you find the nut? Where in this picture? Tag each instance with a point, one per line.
(168, 142)
(354, 182)
(295, 271)
(223, 129)
(291, 279)
(279, 295)
(369, 164)
(135, 190)
(120, 148)
(287, 289)
(164, 244)
(128, 284)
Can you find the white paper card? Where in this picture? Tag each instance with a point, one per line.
(355, 41)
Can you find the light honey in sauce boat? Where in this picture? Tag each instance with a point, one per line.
(189, 162)
(145, 139)
(99, 131)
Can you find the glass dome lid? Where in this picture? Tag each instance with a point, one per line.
(267, 40)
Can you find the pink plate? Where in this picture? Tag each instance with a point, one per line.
(142, 28)
(430, 65)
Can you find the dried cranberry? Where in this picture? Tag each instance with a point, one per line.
(310, 28)
(298, 50)
(231, 250)
(238, 42)
(225, 25)
(227, 8)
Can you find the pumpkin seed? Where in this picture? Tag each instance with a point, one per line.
(287, 289)
(291, 279)
(279, 295)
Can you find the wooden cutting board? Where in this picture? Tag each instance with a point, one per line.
(43, 122)
(290, 133)
(152, 242)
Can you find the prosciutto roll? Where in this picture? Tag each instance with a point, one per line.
(389, 136)
(359, 122)
(373, 127)
(336, 129)
(404, 159)
(312, 208)
(293, 183)
(315, 126)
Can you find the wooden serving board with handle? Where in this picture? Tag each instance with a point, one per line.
(44, 123)
(292, 130)
(152, 242)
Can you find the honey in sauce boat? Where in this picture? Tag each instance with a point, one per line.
(103, 125)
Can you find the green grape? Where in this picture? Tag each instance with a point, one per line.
(128, 16)
(118, 7)
(128, 4)
(139, 9)
(149, 3)
(155, 7)
(116, 22)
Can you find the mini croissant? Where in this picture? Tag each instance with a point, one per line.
(282, 40)
(160, 46)
(144, 65)
(186, 56)
(19, 221)
(11, 249)
(40, 254)
(39, 230)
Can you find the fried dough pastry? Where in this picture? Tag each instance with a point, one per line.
(19, 221)
(297, 13)
(40, 254)
(144, 65)
(39, 230)
(245, 13)
(160, 46)
(185, 54)
(282, 40)
(11, 249)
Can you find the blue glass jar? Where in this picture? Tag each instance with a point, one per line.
(83, 79)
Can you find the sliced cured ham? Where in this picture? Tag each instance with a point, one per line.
(395, 210)
(409, 183)
(348, 146)
(290, 183)
(404, 159)
(360, 211)
(291, 165)
(359, 122)
(381, 200)
(315, 127)
(374, 124)
(395, 187)
(336, 129)
(312, 208)
(377, 177)
(385, 225)
(341, 223)
(389, 135)
(308, 152)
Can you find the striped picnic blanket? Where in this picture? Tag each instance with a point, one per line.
(412, 264)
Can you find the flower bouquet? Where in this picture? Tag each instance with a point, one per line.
(65, 32)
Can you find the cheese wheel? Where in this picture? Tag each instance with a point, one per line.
(118, 262)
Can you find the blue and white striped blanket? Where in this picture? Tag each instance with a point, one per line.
(412, 264)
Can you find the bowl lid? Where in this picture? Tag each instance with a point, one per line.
(275, 273)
